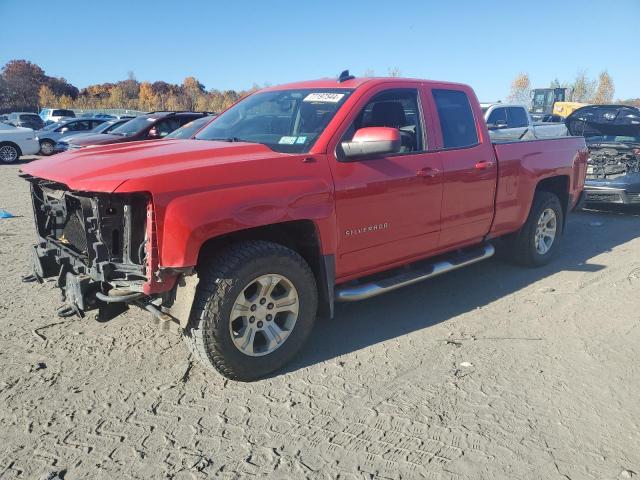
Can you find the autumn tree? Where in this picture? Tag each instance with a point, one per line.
(22, 80)
(605, 90)
(520, 89)
(147, 99)
(192, 91)
(583, 88)
(59, 86)
(46, 97)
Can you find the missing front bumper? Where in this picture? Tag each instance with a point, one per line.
(611, 195)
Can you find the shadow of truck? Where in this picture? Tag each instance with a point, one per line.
(361, 324)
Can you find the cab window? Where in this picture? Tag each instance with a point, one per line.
(397, 108)
(456, 118)
(497, 116)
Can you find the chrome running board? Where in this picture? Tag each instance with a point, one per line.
(414, 273)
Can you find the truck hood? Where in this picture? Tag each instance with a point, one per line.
(105, 168)
(604, 120)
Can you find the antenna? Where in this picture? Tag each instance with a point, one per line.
(344, 76)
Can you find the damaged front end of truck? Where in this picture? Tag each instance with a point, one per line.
(99, 246)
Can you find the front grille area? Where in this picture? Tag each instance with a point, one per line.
(102, 234)
(74, 232)
(604, 197)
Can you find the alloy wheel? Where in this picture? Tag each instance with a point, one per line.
(8, 154)
(264, 315)
(546, 231)
(46, 148)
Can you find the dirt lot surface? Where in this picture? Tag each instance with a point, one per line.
(492, 372)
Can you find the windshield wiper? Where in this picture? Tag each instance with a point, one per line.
(230, 140)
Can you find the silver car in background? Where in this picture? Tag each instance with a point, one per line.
(49, 135)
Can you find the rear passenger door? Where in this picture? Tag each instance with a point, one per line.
(470, 172)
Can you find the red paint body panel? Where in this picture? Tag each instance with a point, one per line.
(524, 164)
(372, 215)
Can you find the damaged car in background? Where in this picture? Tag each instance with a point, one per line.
(612, 134)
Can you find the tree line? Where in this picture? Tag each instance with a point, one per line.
(582, 89)
(24, 86)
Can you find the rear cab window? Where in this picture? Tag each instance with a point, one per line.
(457, 122)
(63, 113)
(517, 117)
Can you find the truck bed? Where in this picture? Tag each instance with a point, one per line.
(521, 165)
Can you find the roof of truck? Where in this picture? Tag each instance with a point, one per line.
(354, 83)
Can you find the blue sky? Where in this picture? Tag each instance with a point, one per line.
(234, 44)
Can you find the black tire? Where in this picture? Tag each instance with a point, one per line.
(9, 152)
(521, 246)
(225, 277)
(46, 147)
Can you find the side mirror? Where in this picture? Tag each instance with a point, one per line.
(153, 133)
(64, 130)
(497, 125)
(371, 141)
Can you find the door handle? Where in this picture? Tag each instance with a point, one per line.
(428, 172)
(483, 165)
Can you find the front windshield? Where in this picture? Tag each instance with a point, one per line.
(187, 131)
(284, 120)
(133, 126)
(53, 126)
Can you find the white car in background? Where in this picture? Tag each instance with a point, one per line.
(16, 142)
(53, 115)
(510, 122)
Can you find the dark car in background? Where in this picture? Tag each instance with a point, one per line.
(25, 120)
(190, 129)
(49, 135)
(152, 126)
(62, 145)
(612, 134)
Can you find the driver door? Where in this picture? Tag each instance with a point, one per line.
(387, 207)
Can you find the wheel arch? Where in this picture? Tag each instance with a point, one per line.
(13, 144)
(558, 185)
(301, 236)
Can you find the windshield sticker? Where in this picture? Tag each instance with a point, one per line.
(301, 139)
(324, 97)
(287, 140)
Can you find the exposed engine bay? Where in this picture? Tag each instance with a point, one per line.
(96, 244)
(609, 161)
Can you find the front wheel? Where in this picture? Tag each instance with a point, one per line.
(538, 239)
(254, 308)
(46, 147)
(9, 153)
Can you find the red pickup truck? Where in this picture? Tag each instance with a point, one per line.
(296, 197)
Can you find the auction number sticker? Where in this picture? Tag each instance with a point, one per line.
(324, 97)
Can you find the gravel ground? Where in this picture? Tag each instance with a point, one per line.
(491, 372)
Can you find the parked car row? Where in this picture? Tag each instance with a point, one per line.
(74, 133)
(15, 142)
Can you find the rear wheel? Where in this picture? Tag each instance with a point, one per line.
(254, 308)
(538, 239)
(9, 152)
(46, 147)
